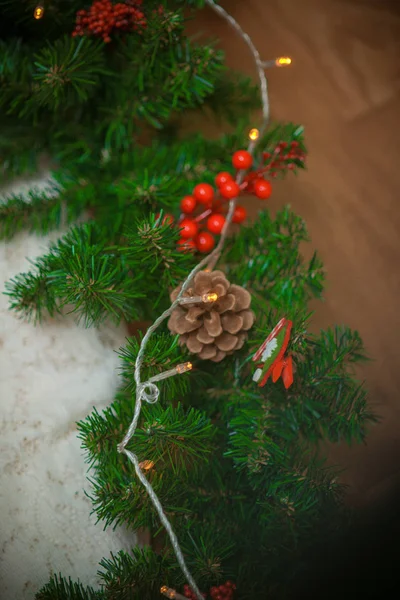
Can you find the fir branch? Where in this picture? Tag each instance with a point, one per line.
(36, 211)
(150, 91)
(59, 588)
(178, 441)
(67, 72)
(153, 246)
(81, 271)
(163, 352)
(93, 279)
(234, 98)
(181, 440)
(133, 575)
(32, 296)
(275, 269)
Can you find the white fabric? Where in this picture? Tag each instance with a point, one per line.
(50, 377)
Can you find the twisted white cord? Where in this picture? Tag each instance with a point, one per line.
(148, 391)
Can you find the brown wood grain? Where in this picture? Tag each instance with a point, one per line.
(344, 87)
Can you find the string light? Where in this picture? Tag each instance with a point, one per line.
(254, 134)
(148, 391)
(205, 299)
(178, 370)
(184, 367)
(170, 593)
(283, 61)
(38, 12)
(146, 465)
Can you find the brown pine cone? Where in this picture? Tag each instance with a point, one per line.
(212, 330)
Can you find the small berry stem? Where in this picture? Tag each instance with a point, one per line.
(203, 215)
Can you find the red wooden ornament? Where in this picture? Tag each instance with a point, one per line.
(204, 193)
(277, 370)
(286, 325)
(287, 374)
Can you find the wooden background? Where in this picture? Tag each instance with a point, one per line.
(344, 87)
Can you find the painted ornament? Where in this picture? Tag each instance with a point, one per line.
(270, 356)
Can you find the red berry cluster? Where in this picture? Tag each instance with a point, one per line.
(103, 17)
(284, 156)
(189, 593)
(197, 232)
(223, 592)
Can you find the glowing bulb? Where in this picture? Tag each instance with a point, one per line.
(205, 298)
(168, 592)
(210, 297)
(283, 61)
(184, 367)
(38, 12)
(146, 465)
(254, 134)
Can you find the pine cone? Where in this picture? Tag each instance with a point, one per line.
(213, 330)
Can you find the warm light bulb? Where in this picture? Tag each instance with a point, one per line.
(38, 12)
(205, 298)
(184, 367)
(254, 134)
(168, 592)
(283, 61)
(146, 465)
(210, 297)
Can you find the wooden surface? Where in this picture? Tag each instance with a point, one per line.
(344, 87)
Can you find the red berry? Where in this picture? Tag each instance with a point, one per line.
(262, 188)
(222, 178)
(188, 228)
(186, 245)
(167, 219)
(230, 190)
(205, 242)
(242, 159)
(239, 215)
(215, 223)
(217, 206)
(188, 204)
(204, 193)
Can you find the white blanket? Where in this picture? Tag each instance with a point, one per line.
(50, 377)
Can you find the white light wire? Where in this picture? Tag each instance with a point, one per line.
(148, 391)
